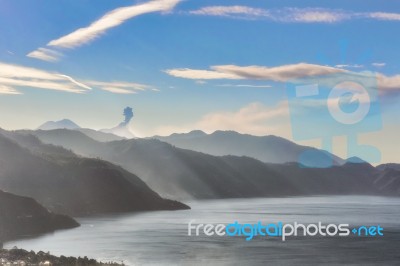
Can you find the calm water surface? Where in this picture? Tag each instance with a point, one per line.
(160, 238)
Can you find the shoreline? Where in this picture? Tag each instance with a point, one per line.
(16, 256)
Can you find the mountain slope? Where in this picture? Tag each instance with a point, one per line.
(270, 149)
(68, 184)
(180, 173)
(22, 216)
(65, 123)
(98, 135)
(388, 181)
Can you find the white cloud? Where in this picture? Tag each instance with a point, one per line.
(254, 118)
(293, 15)
(288, 15)
(388, 83)
(310, 15)
(20, 76)
(120, 87)
(384, 16)
(110, 20)
(14, 76)
(231, 11)
(378, 64)
(45, 55)
(280, 73)
(244, 86)
(8, 90)
(201, 82)
(99, 27)
(349, 66)
(188, 73)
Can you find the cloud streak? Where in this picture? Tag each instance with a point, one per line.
(99, 27)
(15, 76)
(278, 74)
(386, 84)
(292, 15)
(120, 87)
(45, 55)
(8, 90)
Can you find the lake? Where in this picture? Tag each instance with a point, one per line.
(161, 238)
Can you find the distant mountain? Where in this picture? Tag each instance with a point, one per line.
(22, 216)
(68, 184)
(394, 166)
(269, 149)
(355, 159)
(65, 123)
(98, 135)
(181, 174)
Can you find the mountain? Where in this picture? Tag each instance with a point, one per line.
(65, 123)
(394, 166)
(180, 174)
(22, 216)
(98, 135)
(69, 184)
(355, 159)
(269, 149)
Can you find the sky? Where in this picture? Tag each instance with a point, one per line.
(209, 65)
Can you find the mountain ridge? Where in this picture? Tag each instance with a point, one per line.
(268, 149)
(64, 123)
(185, 174)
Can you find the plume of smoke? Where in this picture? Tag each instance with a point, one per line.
(128, 113)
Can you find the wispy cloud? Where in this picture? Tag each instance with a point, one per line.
(384, 16)
(120, 87)
(45, 55)
(8, 90)
(378, 64)
(15, 76)
(386, 84)
(200, 74)
(279, 73)
(292, 15)
(232, 11)
(99, 27)
(244, 86)
(349, 66)
(19, 76)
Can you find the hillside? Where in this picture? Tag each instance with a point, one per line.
(22, 217)
(68, 184)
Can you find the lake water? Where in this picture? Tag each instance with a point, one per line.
(161, 238)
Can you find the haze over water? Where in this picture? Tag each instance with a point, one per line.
(162, 237)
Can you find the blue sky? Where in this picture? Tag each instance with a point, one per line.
(159, 57)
